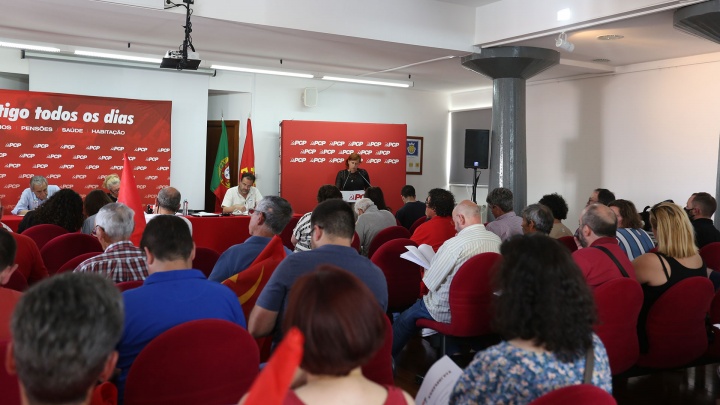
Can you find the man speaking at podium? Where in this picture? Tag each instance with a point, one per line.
(352, 178)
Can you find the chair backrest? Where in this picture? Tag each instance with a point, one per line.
(585, 394)
(8, 383)
(62, 248)
(356, 242)
(675, 324)
(105, 393)
(417, 223)
(379, 368)
(44, 233)
(205, 259)
(471, 296)
(618, 303)
(387, 234)
(710, 253)
(286, 234)
(403, 277)
(72, 264)
(568, 242)
(129, 285)
(17, 282)
(207, 361)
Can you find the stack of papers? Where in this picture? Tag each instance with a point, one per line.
(421, 255)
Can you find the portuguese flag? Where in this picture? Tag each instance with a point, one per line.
(220, 182)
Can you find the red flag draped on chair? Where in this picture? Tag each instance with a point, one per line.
(273, 383)
(247, 160)
(130, 196)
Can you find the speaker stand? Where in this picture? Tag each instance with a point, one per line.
(476, 177)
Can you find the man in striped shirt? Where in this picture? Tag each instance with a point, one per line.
(472, 239)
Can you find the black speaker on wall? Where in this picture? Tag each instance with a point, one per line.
(477, 148)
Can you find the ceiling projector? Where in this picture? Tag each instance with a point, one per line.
(175, 60)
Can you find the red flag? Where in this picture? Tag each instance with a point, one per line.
(130, 196)
(273, 383)
(247, 160)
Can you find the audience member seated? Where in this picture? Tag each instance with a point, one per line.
(537, 218)
(371, 220)
(439, 227)
(411, 210)
(700, 208)
(343, 327)
(64, 208)
(243, 197)
(301, 233)
(168, 203)
(112, 185)
(545, 315)
(174, 293)
(121, 261)
(378, 198)
(472, 239)
(333, 228)
(677, 258)
(95, 200)
(601, 258)
(269, 219)
(64, 334)
(506, 223)
(27, 258)
(630, 233)
(602, 196)
(34, 196)
(559, 209)
(8, 297)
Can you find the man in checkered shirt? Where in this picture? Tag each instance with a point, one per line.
(121, 261)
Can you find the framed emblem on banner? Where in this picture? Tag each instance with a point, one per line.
(414, 153)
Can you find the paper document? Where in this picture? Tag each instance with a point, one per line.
(421, 255)
(438, 383)
(204, 214)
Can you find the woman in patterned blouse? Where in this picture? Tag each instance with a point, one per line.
(545, 314)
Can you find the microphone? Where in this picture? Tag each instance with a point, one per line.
(347, 177)
(363, 177)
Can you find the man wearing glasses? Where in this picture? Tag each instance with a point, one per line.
(34, 196)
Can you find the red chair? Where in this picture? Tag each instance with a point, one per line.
(286, 234)
(471, 296)
(417, 223)
(207, 361)
(104, 394)
(72, 264)
(8, 383)
(568, 242)
(618, 305)
(44, 233)
(585, 394)
(129, 285)
(387, 234)
(205, 259)
(675, 324)
(58, 251)
(403, 276)
(710, 253)
(379, 368)
(356, 242)
(714, 314)
(17, 282)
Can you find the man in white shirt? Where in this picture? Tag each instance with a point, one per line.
(472, 239)
(244, 197)
(34, 196)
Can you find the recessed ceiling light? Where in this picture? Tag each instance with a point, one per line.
(601, 60)
(610, 37)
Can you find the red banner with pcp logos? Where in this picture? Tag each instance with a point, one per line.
(75, 141)
(312, 153)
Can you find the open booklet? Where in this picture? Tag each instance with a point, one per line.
(438, 383)
(421, 255)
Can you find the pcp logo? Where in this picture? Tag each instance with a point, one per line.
(151, 177)
(319, 143)
(392, 144)
(80, 157)
(95, 167)
(117, 167)
(26, 156)
(337, 160)
(40, 166)
(141, 186)
(160, 187)
(355, 143)
(347, 151)
(327, 151)
(93, 147)
(355, 197)
(13, 145)
(308, 151)
(71, 147)
(337, 143)
(161, 168)
(131, 158)
(296, 142)
(67, 186)
(79, 176)
(374, 144)
(140, 149)
(66, 167)
(40, 146)
(164, 150)
(2, 176)
(150, 196)
(105, 158)
(365, 152)
(53, 176)
(12, 186)
(13, 165)
(142, 168)
(53, 156)
(118, 148)
(25, 176)
(152, 159)
(317, 160)
(373, 161)
(392, 161)
(3, 155)
(297, 160)
(92, 186)
(382, 152)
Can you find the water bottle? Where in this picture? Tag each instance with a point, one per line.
(185, 207)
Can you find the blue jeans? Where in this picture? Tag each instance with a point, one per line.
(404, 326)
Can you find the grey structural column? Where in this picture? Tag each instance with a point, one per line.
(510, 67)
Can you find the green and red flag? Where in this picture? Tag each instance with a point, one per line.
(220, 182)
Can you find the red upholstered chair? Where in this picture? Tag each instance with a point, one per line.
(72, 264)
(9, 389)
(710, 253)
(286, 234)
(58, 251)
(207, 361)
(44, 233)
(104, 394)
(618, 304)
(568, 242)
(403, 276)
(676, 324)
(714, 349)
(470, 298)
(205, 259)
(379, 368)
(585, 394)
(17, 282)
(387, 234)
(129, 285)
(417, 223)
(356, 242)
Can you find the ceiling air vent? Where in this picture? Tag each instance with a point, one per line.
(702, 20)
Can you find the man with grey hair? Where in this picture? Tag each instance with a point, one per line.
(34, 196)
(370, 222)
(537, 218)
(506, 223)
(121, 261)
(59, 352)
(269, 219)
(168, 203)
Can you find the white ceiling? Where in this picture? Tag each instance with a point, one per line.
(74, 24)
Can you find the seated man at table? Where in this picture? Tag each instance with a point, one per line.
(439, 227)
(33, 196)
(269, 219)
(243, 197)
(121, 261)
(168, 203)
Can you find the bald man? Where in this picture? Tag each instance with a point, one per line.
(601, 258)
(472, 239)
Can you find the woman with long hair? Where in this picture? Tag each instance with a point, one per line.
(545, 313)
(95, 200)
(64, 208)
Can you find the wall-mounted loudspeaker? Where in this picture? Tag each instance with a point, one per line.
(477, 148)
(310, 96)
